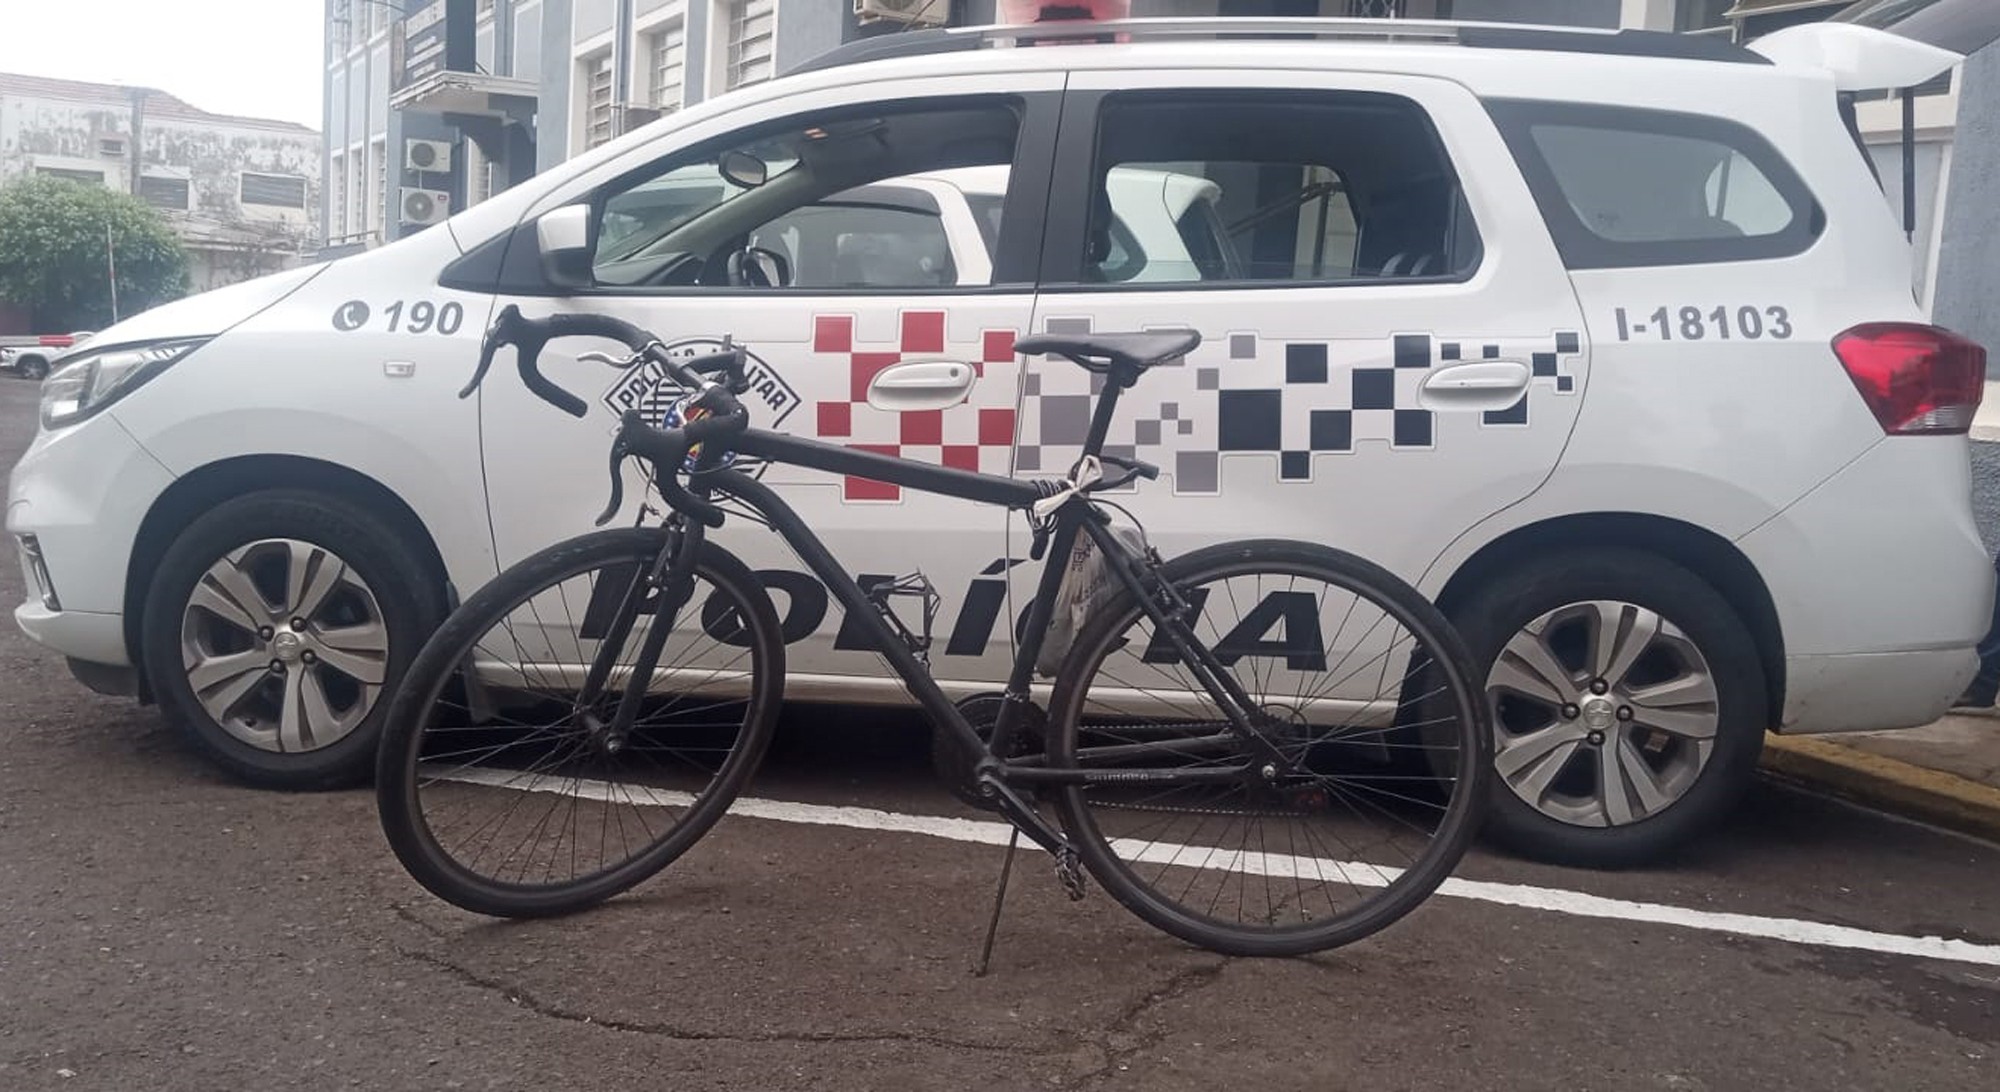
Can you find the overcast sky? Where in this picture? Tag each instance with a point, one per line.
(260, 58)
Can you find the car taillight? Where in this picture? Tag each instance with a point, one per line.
(1916, 379)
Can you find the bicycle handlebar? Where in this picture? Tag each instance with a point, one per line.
(667, 449)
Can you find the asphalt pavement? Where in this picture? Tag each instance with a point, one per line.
(162, 928)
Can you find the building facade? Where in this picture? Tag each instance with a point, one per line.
(242, 193)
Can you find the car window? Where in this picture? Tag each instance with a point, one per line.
(808, 203)
(986, 209)
(857, 245)
(1230, 186)
(1646, 187)
(1630, 187)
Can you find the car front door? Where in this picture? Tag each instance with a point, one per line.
(847, 261)
(1391, 352)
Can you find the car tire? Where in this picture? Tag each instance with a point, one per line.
(1696, 673)
(284, 705)
(35, 368)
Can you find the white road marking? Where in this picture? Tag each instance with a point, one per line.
(1556, 900)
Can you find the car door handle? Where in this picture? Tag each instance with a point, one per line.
(915, 385)
(1480, 385)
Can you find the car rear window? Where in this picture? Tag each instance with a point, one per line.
(1629, 187)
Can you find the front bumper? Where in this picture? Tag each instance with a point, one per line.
(82, 492)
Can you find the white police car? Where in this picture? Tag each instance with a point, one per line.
(1604, 340)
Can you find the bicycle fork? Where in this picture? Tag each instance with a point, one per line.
(671, 578)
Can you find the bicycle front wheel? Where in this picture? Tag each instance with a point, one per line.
(1314, 829)
(503, 793)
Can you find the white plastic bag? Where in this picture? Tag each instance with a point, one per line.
(1087, 583)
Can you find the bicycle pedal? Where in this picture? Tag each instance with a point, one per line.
(1069, 873)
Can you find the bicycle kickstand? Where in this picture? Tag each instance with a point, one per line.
(993, 926)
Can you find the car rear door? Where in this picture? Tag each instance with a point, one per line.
(1391, 352)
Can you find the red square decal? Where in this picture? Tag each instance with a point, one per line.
(962, 457)
(836, 419)
(833, 334)
(862, 367)
(868, 489)
(923, 427)
(999, 347)
(996, 427)
(923, 331)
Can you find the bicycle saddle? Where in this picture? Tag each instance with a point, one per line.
(1131, 352)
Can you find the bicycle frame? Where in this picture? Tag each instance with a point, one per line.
(997, 778)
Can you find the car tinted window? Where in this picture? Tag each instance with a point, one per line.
(830, 199)
(1232, 186)
(1640, 187)
(861, 246)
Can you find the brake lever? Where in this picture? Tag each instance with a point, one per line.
(618, 454)
(498, 334)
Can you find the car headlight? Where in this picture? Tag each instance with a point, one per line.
(86, 381)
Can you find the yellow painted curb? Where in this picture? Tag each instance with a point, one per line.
(1886, 783)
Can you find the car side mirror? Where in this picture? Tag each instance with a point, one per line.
(563, 238)
(921, 385)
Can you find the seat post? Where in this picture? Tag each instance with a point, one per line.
(1107, 404)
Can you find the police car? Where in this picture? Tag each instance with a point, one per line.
(1604, 340)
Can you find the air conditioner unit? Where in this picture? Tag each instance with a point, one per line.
(930, 13)
(425, 206)
(429, 156)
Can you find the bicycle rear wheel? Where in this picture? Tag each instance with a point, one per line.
(503, 795)
(1317, 839)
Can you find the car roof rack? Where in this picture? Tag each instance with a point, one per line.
(1475, 35)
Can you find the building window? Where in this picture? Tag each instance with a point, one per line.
(357, 190)
(597, 100)
(667, 48)
(280, 191)
(164, 193)
(337, 208)
(340, 28)
(751, 26)
(88, 178)
(111, 147)
(379, 155)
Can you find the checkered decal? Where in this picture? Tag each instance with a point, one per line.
(1285, 400)
(977, 435)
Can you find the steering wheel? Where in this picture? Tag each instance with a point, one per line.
(759, 267)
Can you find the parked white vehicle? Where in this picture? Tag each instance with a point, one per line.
(1605, 341)
(32, 358)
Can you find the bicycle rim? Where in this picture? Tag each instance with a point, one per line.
(1365, 799)
(504, 796)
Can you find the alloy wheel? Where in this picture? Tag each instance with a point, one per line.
(284, 645)
(1605, 713)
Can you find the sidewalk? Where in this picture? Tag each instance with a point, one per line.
(1947, 773)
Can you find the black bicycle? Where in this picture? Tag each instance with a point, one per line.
(1262, 747)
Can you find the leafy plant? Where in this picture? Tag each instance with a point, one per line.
(59, 240)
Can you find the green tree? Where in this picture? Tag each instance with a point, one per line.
(53, 250)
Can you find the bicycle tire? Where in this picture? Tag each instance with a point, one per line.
(1103, 635)
(438, 664)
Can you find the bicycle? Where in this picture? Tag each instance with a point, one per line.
(1216, 747)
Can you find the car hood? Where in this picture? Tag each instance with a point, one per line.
(207, 313)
